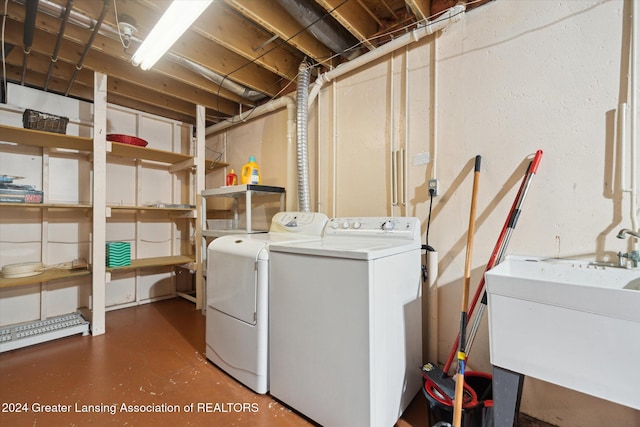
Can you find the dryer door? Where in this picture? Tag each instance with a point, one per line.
(232, 276)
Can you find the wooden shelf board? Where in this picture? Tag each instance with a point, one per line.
(211, 165)
(39, 138)
(145, 153)
(149, 208)
(155, 262)
(48, 205)
(220, 233)
(47, 276)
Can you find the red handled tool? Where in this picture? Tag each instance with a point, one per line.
(496, 257)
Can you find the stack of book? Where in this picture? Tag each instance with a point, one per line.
(14, 193)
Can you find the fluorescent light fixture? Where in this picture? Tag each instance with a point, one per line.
(175, 21)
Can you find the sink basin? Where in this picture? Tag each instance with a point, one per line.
(568, 322)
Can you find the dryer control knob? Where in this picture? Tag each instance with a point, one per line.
(345, 225)
(357, 225)
(387, 225)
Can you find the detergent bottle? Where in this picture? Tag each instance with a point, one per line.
(250, 173)
(232, 178)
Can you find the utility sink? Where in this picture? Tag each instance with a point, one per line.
(568, 322)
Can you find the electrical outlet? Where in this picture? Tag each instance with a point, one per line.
(433, 185)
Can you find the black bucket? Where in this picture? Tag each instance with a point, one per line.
(477, 410)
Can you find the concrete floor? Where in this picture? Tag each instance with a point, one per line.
(150, 359)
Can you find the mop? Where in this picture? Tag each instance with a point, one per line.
(458, 400)
(438, 379)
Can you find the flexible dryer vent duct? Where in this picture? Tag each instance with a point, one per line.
(315, 20)
(301, 141)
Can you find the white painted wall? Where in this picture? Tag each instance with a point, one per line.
(266, 139)
(513, 77)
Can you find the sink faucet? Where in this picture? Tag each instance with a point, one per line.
(624, 231)
(634, 255)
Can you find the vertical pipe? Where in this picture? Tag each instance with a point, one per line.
(432, 306)
(94, 33)
(291, 161)
(334, 143)
(405, 152)
(434, 106)
(54, 55)
(393, 184)
(319, 138)
(634, 117)
(31, 9)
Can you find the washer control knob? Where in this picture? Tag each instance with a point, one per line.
(357, 225)
(387, 225)
(334, 225)
(345, 225)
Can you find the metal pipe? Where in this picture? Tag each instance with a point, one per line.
(635, 10)
(31, 10)
(94, 33)
(216, 78)
(31, 7)
(304, 74)
(54, 55)
(53, 9)
(256, 112)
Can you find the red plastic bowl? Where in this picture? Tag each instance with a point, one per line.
(127, 139)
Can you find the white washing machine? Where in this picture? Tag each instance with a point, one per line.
(237, 295)
(345, 322)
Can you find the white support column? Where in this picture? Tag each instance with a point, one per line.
(199, 186)
(99, 203)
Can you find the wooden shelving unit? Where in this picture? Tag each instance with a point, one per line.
(38, 138)
(100, 152)
(43, 139)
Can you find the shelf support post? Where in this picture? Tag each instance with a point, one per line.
(98, 300)
(199, 186)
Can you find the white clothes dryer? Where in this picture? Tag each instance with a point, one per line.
(237, 295)
(346, 322)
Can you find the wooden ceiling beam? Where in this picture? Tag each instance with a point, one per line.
(115, 50)
(38, 66)
(224, 26)
(420, 8)
(96, 61)
(198, 49)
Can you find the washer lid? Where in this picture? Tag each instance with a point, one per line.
(352, 248)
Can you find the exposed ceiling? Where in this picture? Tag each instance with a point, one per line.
(238, 54)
